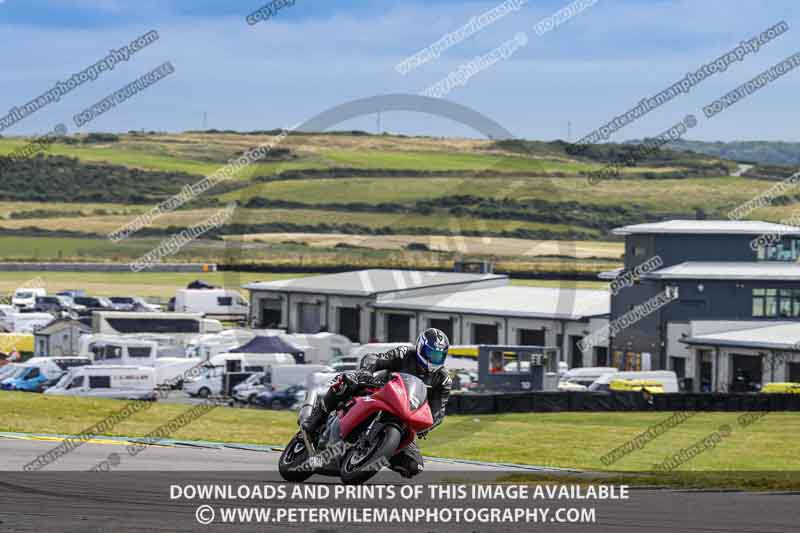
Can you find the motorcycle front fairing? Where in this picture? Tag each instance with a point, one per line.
(403, 397)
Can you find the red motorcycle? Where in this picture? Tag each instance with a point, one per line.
(360, 438)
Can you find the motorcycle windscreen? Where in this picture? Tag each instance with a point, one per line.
(417, 391)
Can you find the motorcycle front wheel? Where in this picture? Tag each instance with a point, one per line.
(293, 464)
(363, 461)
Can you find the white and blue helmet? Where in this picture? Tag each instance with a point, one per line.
(432, 347)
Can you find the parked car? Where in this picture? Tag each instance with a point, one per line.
(25, 299)
(282, 399)
(59, 306)
(94, 303)
(132, 303)
(39, 373)
(667, 378)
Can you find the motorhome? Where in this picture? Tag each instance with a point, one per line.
(224, 304)
(26, 322)
(108, 381)
(117, 322)
(127, 351)
(667, 378)
(25, 298)
(39, 373)
(581, 378)
(276, 377)
(211, 381)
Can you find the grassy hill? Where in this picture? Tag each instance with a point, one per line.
(487, 195)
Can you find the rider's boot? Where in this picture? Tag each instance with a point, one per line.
(315, 419)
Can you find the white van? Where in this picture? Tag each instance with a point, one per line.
(581, 378)
(225, 304)
(26, 298)
(107, 381)
(210, 382)
(667, 378)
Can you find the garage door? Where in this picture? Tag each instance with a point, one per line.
(350, 323)
(271, 313)
(531, 337)
(398, 328)
(445, 325)
(309, 318)
(484, 334)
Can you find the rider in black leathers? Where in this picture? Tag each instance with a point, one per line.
(426, 361)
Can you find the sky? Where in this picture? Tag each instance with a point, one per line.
(316, 54)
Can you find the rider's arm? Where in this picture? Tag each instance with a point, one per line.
(438, 397)
(391, 360)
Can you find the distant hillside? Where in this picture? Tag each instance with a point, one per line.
(764, 152)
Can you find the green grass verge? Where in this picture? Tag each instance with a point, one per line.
(157, 284)
(567, 440)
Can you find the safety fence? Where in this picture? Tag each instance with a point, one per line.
(548, 402)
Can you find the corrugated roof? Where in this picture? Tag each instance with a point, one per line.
(776, 337)
(372, 282)
(528, 302)
(701, 227)
(728, 270)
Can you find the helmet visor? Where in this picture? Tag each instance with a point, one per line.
(436, 357)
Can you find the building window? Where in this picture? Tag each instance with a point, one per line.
(773, 303)
(758, 302)
(785, 303)
(787, 250)
(639, 251)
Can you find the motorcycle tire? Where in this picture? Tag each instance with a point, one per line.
(293, 458)
(359, 466)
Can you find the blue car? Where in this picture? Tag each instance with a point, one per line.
(29, 379)
(283, 399)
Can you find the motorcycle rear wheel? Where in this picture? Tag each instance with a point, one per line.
(293, 464)
(360, 465)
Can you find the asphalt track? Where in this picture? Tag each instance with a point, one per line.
(135, 496)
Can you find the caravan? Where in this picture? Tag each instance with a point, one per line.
(320, 348)
(207, 346)
(107, 381)
(224, 304)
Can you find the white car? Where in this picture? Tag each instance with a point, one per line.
(26, 298)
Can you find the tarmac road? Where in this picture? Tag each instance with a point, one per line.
(136, 496)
